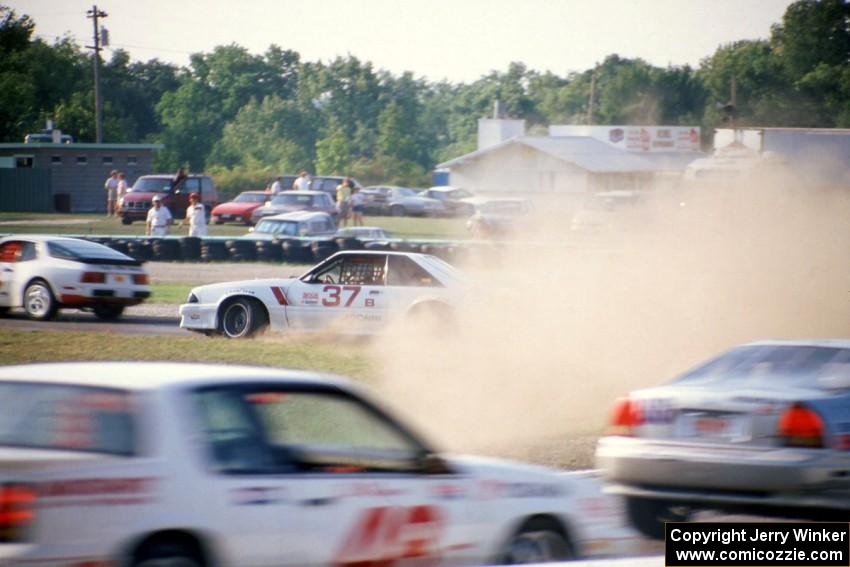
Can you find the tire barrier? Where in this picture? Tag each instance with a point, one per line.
(296, 251)
(141, 250)
(384, 246)
(321, 249)
(404, 247)
(190, 248)
(213, 251)
(269, 251)
(120, 246)
(242, 250)
(166, 250)
(349, 243)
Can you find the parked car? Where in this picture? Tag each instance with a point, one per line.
(497, 217)
(364, 233)
(291, 201)
(356, 292)
(240, 208)
(135, 204)
(454, 199)
(141, 463)
(400, 202)
(328, 184)
(43, 274)
(762, 428)
(601, 211)
(297, 224)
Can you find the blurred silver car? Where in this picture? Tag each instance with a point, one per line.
(292, 201)
(764, 427)
(298, 224)
(401, 202)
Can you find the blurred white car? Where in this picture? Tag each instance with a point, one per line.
(358, 292)
(288, 225)
(400, 202)
(497, 217)
(42, 274)
(601, 211)
(143, 464)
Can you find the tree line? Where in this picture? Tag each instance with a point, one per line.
(246, 118)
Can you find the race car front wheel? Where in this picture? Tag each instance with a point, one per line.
(242, 318)
(167, 554)
(539, 541)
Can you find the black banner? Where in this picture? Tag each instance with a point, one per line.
(762, 544)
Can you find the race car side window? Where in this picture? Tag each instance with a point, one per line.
(405, 272)
(263, 428)
(353, 270)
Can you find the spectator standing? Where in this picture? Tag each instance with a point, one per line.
(111, 187)
(276, 186)
(303, 181)
(357, 202)
(159, 218)
(343, 194)
(123, 188)
(196, 216)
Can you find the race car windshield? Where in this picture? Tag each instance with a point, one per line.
(773, 362)
(249, 198)
(67, 418)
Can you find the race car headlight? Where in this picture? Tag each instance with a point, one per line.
(192, 298)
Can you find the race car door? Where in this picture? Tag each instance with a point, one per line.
(346, 294)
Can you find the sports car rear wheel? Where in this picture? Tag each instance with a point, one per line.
(648, 515)
(107, 311)
(39, 302)
(242, 318)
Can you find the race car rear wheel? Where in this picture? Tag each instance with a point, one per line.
(39, 302)
(648, 515)
(540, 540)
(167, 554)
(242, 318)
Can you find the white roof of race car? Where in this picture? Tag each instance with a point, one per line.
(39, 237)
(152, 375)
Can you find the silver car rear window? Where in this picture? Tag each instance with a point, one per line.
(772, 361)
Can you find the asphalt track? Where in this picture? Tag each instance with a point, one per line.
(75, 321)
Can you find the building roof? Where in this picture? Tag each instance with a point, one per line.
(590, 154)
(75, 146)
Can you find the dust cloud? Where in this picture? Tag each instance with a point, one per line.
(563, 322)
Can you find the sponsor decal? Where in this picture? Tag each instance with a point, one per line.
(502, 489)
(310, 298)
(616, 135)
(96, 492)
(385, 535)
(254, 496)
(279, 296)
(449, 491)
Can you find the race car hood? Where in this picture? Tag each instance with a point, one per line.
(540, 478)
(211, 293)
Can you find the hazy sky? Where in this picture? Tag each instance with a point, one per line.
(458, 40)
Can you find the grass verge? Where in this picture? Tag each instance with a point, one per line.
(320, 355)
(173, 293)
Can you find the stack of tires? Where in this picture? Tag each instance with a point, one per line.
(321, 249)
(269, 251)
(190, 248)
(213, 251)
(141, 250)
(165, 249)
(241, 250)
(404, 247)
(295, 251)
(349, 243)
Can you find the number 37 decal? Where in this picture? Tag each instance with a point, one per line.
(332, 295)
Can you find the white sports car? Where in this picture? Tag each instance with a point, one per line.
(350, 292)
(143, 464)
(45, 273)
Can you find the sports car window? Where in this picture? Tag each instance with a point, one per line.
(405, 272)
(17, 251)
(774, 362)
(353, 270)
(270, 429)
(70, 418)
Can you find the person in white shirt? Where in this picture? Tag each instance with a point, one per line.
(303, 181)
(276, 186)
(195, 216)
(122, 190)
(159, 218)
(111, 187)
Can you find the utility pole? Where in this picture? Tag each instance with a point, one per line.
(94, 14)
(592, 99)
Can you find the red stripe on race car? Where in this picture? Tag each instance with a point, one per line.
(278, 294)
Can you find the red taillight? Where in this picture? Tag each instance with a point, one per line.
(140, 279)
(625, 417)
(800, 426)
(17, 511)
(93, 277)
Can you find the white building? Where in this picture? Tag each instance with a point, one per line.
(572, 160)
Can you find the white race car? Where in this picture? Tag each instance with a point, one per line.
(44, 273)
(350, 292)
(142, 464)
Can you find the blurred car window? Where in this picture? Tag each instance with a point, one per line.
(776, 361)
(405, 272)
